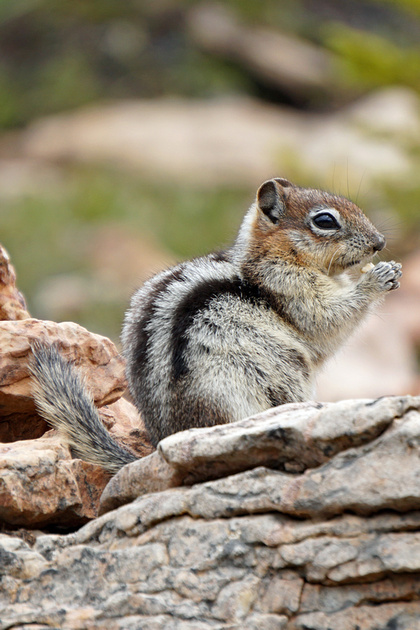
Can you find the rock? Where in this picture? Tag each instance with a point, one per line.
(236, 140)
(404, 616)
(223, 141)
(322, 442)
(124, 423)
(96, 356)
(250, 550)
(150, 474)
(283, 62)
(41, 485)
(12, 302)
(391, 111)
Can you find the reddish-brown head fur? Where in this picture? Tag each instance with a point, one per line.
(310, 228)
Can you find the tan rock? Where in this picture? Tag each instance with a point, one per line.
(150, 474)
(282, 595)
(235, 140)
(390, 111)
(124, 423)
(404, 615)
(209, 142)
(96, 356)
(40, 485)
(294, 438)
(12, 302)
(326, 599)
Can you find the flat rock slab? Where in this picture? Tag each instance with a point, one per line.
(316, 457)
(326, 538)
(260, 571)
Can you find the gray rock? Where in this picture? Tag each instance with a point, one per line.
(261, 548)
(291, 438)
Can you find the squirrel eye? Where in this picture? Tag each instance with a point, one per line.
(326, 221)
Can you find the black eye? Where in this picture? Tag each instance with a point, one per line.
(326, 221)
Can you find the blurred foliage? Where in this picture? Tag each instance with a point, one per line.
(411, 5)
(366, 60)
(57, 56)
(49, 234)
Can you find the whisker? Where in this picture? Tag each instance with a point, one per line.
(358, 190)
(331, 261)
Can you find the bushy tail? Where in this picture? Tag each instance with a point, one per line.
(64, 401)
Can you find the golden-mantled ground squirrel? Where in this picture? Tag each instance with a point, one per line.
(225, 336)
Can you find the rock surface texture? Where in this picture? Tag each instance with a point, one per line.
(304, 517)
(40, 484)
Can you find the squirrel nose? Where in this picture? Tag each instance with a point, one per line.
(379, 243)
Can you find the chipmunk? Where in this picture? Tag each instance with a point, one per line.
(225, 336)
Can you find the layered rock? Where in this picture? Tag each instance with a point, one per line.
(40, 484)
(306, 516)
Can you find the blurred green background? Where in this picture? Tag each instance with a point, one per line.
(84, 232)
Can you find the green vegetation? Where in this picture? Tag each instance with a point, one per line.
(57, 56)
(50, 234)
(367, 60)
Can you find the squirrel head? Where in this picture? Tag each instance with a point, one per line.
(310, 228)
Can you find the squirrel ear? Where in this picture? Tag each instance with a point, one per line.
(270, 198)
(283, 182)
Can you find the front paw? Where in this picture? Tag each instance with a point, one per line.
(385, 275)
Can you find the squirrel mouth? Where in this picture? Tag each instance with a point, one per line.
(360, 261)
(356, 263)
